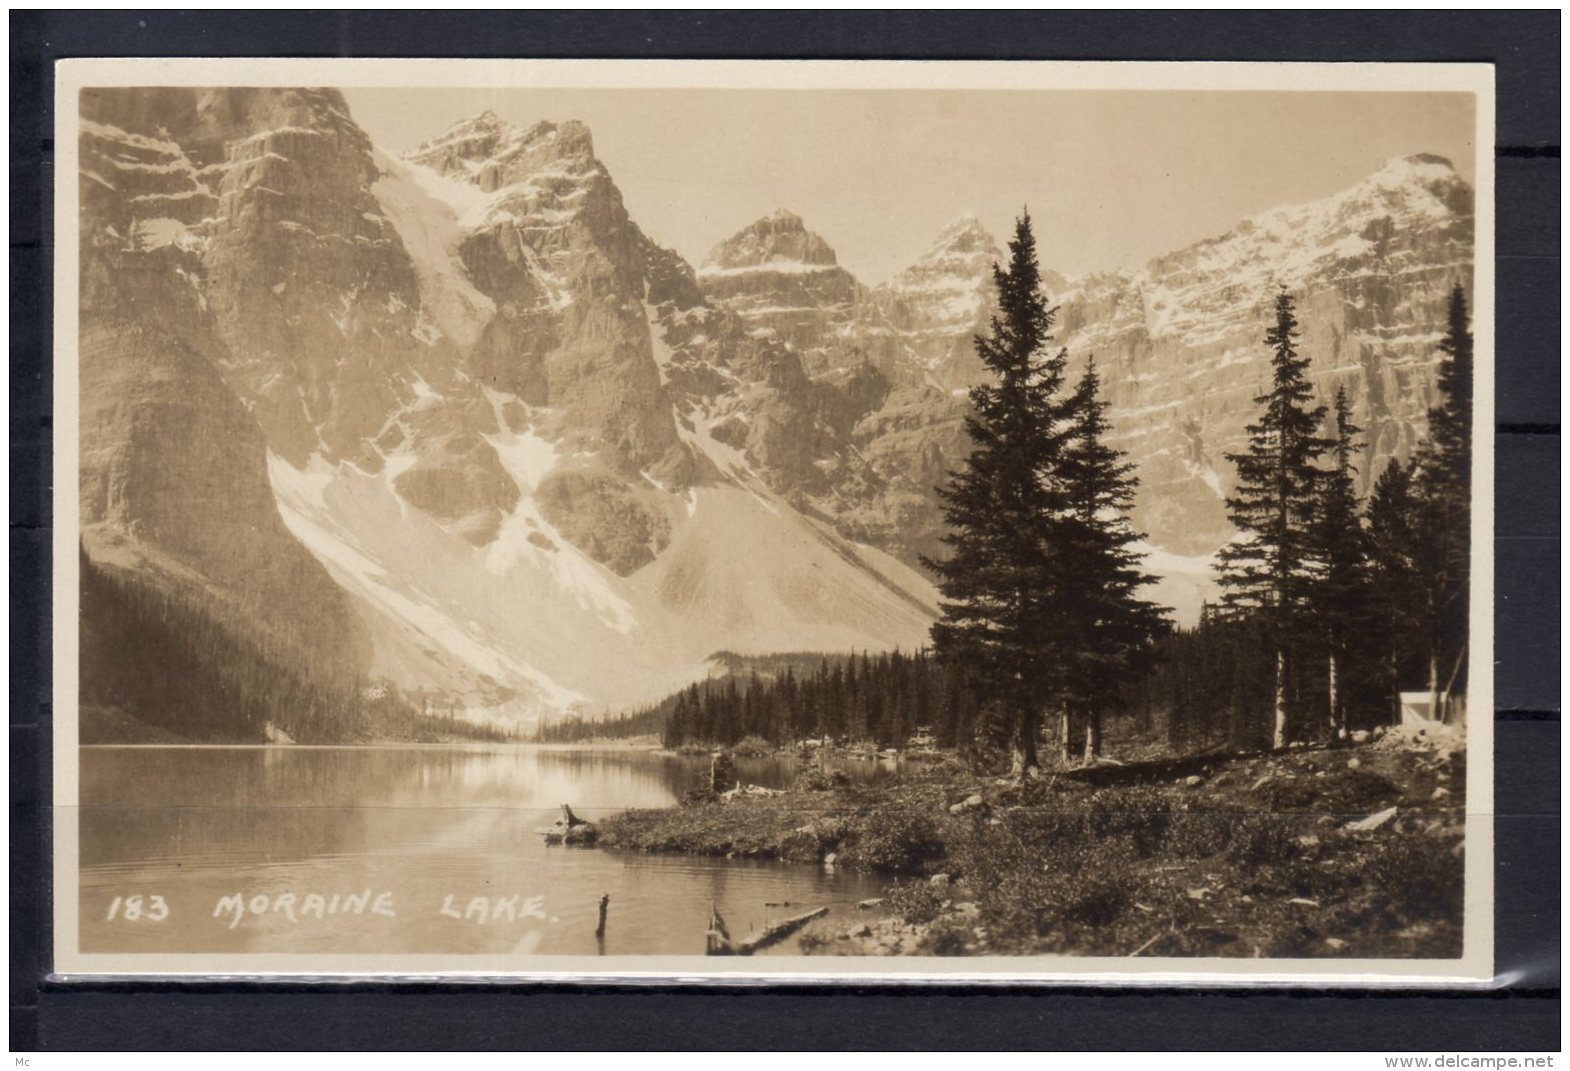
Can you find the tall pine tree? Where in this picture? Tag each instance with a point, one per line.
(1341, 546)
(1114, 628)
(1000, 580)
(1395, 583)
(1267, 572)
(1444, 485)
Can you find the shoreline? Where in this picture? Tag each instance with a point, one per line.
(405, 745)
(1315, 852)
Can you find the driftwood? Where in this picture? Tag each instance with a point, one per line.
(569, 829)
(719, 938)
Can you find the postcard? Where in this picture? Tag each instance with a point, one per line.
(774, 521)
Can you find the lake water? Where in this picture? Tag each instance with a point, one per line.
(428, 831)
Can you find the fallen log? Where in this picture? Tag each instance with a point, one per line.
(720, 943)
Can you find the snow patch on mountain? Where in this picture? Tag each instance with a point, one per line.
(307, 511)
(431, 231)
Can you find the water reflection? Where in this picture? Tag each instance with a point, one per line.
(447, 830)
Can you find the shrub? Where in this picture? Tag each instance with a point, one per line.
(948, 937)
(1141, 812)
(753, 745)
(1262, 838)
(813, 841)
(814, 780)
(915, 901)
(1098, 899)
(898, 841)
(1415, 877)
(697, 797)
(1339, 792)
(1199, 835)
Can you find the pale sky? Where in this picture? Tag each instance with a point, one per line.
(1111, 178)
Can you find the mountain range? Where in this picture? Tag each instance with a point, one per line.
(453, 422)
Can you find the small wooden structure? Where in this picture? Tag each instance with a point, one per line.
(1417, 710)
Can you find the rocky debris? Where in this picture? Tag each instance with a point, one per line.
(882, 937)
(612, 522)
(1193, 781)
(891, 936)
(973, 802)
(1429, 736)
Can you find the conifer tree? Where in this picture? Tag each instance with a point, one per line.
(1000, 580)
(1266, 572)
(1341, 547)
(1395, 584)
(1444, 482)
(1114, 628)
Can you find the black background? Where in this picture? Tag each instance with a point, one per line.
(1521, 1013)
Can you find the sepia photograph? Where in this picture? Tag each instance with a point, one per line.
(806, 520)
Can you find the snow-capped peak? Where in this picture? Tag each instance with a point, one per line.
(964, 223)
(1285, 245)
(475, 135)
(485, 145)
(965, 237)
(1420, 167)
(779, 240)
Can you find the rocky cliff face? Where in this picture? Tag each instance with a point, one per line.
(785, 282)
(173, 467)
(926, 319)
(545, 237)
(1180, 343)
(552, 465)
(492, 409)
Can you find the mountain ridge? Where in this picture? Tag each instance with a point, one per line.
(553, 465)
